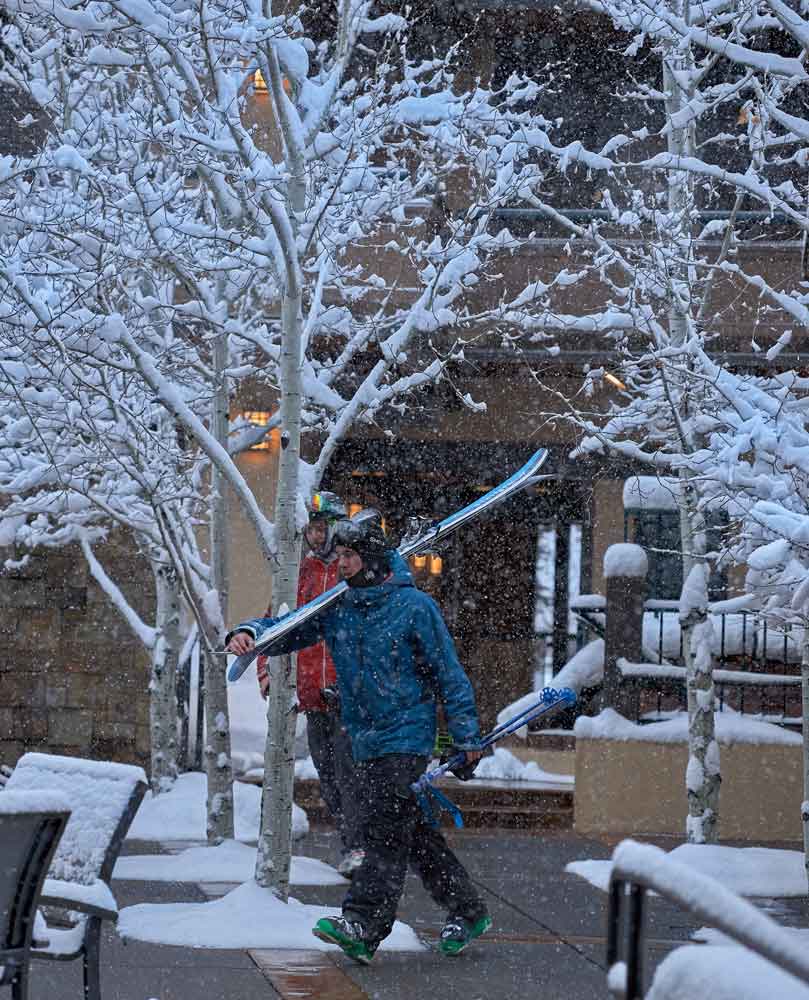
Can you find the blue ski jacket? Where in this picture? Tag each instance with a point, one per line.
(394, 659)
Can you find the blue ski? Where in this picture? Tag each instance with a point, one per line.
(421, 539)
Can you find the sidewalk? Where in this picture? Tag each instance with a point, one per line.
(548, 938)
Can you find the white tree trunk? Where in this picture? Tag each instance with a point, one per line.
(218, 763)
(218, 766)
(702, 776)
(805, 697)
(275, 839)
(163, 683)
(703, 772)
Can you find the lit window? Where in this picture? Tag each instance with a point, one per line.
(261, 87)
(262, 417)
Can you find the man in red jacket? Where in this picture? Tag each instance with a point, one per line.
(329, 743)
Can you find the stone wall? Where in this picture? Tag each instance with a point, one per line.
(73, 678)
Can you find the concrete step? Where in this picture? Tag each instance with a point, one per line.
(513, 805)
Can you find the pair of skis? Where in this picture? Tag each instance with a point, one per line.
(421, 540)
(550, 700)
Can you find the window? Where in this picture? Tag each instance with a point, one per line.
(658, 531)
(262, 417)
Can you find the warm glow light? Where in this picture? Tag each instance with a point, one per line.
(260, 84)
(262, 417)
(353, 509)
(614, 380)
(436, 565)
(419, 562)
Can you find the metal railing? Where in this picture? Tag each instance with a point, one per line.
(756, 665)
(640, 868)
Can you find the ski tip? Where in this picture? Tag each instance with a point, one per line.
(239, 665)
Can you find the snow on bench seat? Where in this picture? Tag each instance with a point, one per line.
(98, 794)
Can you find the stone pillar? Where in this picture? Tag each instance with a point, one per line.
(625, 568)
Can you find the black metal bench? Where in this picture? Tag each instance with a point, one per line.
(31, 824)
(104, 798)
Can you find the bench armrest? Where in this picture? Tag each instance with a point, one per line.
(96, 900)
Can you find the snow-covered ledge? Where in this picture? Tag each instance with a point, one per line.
(630, 778)
(625, 559)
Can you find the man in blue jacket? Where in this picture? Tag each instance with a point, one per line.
(394, 659)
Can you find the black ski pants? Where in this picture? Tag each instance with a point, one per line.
(330, 747)
(395, 834)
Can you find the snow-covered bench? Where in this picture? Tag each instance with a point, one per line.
(31, 824)
(103, 798)
(772, 958)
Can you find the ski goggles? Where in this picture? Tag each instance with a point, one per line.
(323, 506)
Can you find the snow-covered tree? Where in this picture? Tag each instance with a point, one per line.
(337, 230)
(671, 254)
(79, 460)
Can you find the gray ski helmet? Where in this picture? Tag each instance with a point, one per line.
(363, 533)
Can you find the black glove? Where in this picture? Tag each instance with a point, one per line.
(463, 771)
(331, 698)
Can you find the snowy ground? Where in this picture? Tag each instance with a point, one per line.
(180, 813)
(228, 862)
(247, 917)
(748, 871)
(504, 766)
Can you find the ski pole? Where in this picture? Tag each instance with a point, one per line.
(427, 794)
(544, 698)
(549, 699)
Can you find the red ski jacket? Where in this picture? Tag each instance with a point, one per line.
(315, 666)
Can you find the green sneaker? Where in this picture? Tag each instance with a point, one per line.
(348, 935)
(458, 932)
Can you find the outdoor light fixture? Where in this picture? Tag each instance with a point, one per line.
(272, 440)
(614, 380)
(260, 84)
(354, 508)
(419, 562)
(436, 565)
